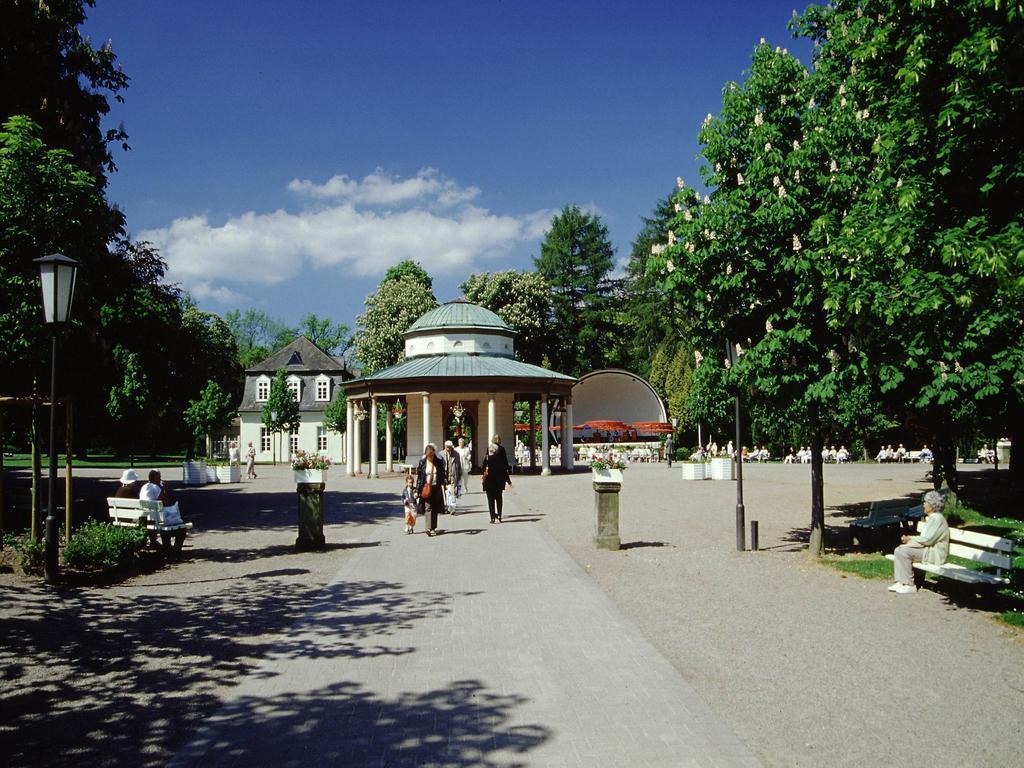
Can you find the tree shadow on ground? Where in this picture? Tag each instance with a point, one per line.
(463, 724)
(146, 669)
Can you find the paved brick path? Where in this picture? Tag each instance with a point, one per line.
(484, 646)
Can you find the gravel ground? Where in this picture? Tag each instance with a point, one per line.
(808, 666)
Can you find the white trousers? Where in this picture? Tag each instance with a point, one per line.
(903, 561)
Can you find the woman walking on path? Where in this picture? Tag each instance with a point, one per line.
(250, 463)
(495, 478)
(430, 472)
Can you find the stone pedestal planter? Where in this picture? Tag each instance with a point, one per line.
(193, 472)
(723, 469)
(229, 474)
(607, 485)
(695, 471)
(311, 515)
(308, 476)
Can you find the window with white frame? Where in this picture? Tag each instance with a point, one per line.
(262, 389)
(264, 439)
(293, 439)
(295, 387)
(323, 388)
(321, 438)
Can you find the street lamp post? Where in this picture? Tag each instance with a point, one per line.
(57, 275)
(671, 442)
(741, 543)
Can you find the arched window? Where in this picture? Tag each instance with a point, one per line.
(262, 389)
(323, 388)
(295, 385)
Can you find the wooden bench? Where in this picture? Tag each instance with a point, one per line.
(882, 515)
(991, 551)
(134, 513)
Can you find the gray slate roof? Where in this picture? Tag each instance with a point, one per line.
(301, 356)
(460, 366)
(460, 314)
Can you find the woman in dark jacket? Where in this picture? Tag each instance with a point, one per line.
(431, 470)
(495, 479)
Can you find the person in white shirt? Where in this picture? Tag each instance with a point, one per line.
(155, 490)
(464, 453)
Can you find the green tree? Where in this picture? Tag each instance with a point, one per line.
(257, 335)
(412, 270)
(576, 259)
(939, 223)
(214, 408)
(45, 205)
(53, 75)
(647, 316)
(130, 396)
(335, 418)
(334, 339)
(521, 299)
(281, 411)
(390, 310)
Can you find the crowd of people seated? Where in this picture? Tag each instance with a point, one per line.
(887, 454)
(986, 455)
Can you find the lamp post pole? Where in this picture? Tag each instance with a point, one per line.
(741, 541)
(57, 278)
(671, 442)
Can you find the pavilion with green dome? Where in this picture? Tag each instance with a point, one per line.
(459, 377)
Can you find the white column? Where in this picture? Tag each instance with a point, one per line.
(568, 461)
(357, 446)
(350, 466)
(426, 420)
(492, 421)
(373, 437)
(389, 425)
(533, 432)
(545, 447)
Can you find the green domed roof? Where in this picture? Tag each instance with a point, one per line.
(460, 314)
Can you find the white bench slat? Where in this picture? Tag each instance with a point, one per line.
(981, 556)
(985, 540)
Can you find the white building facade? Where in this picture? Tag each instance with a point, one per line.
(315, 379)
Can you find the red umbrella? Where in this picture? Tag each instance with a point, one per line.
(612, 425)
(522, 427)
(653, 427)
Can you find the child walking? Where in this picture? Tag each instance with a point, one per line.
(410, 503)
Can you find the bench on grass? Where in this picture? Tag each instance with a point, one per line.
(133, 513)
(885, 514)
(991, 551)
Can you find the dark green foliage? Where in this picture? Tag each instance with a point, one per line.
(99, 545)
(576, 260)
(335, 418)
(281, 411)
(29, 551)
(521, 299)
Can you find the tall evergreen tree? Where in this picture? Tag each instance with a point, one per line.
(576, 258)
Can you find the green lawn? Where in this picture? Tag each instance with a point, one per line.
(1009, 602)
(24, 461)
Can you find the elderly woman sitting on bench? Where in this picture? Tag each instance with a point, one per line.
(931, 545)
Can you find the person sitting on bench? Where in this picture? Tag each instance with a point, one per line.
(930, 546)
(130, 485)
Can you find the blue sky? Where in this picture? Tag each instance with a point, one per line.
(284, 154)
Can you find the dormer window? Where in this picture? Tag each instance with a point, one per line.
(262, 389)
(295, 387)
(323, 388)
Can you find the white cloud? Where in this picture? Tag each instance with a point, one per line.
(362, 227)
(378, 188)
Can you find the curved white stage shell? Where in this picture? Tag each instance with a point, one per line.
(614, 393)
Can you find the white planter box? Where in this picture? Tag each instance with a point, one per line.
(211, 474)
(229, 474)
(695, 471)
(723, 469)
(607, 476)
(193, 472)
(308, 475)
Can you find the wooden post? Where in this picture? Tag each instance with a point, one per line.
(3, 443)
(67, 473)
(37, 471)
